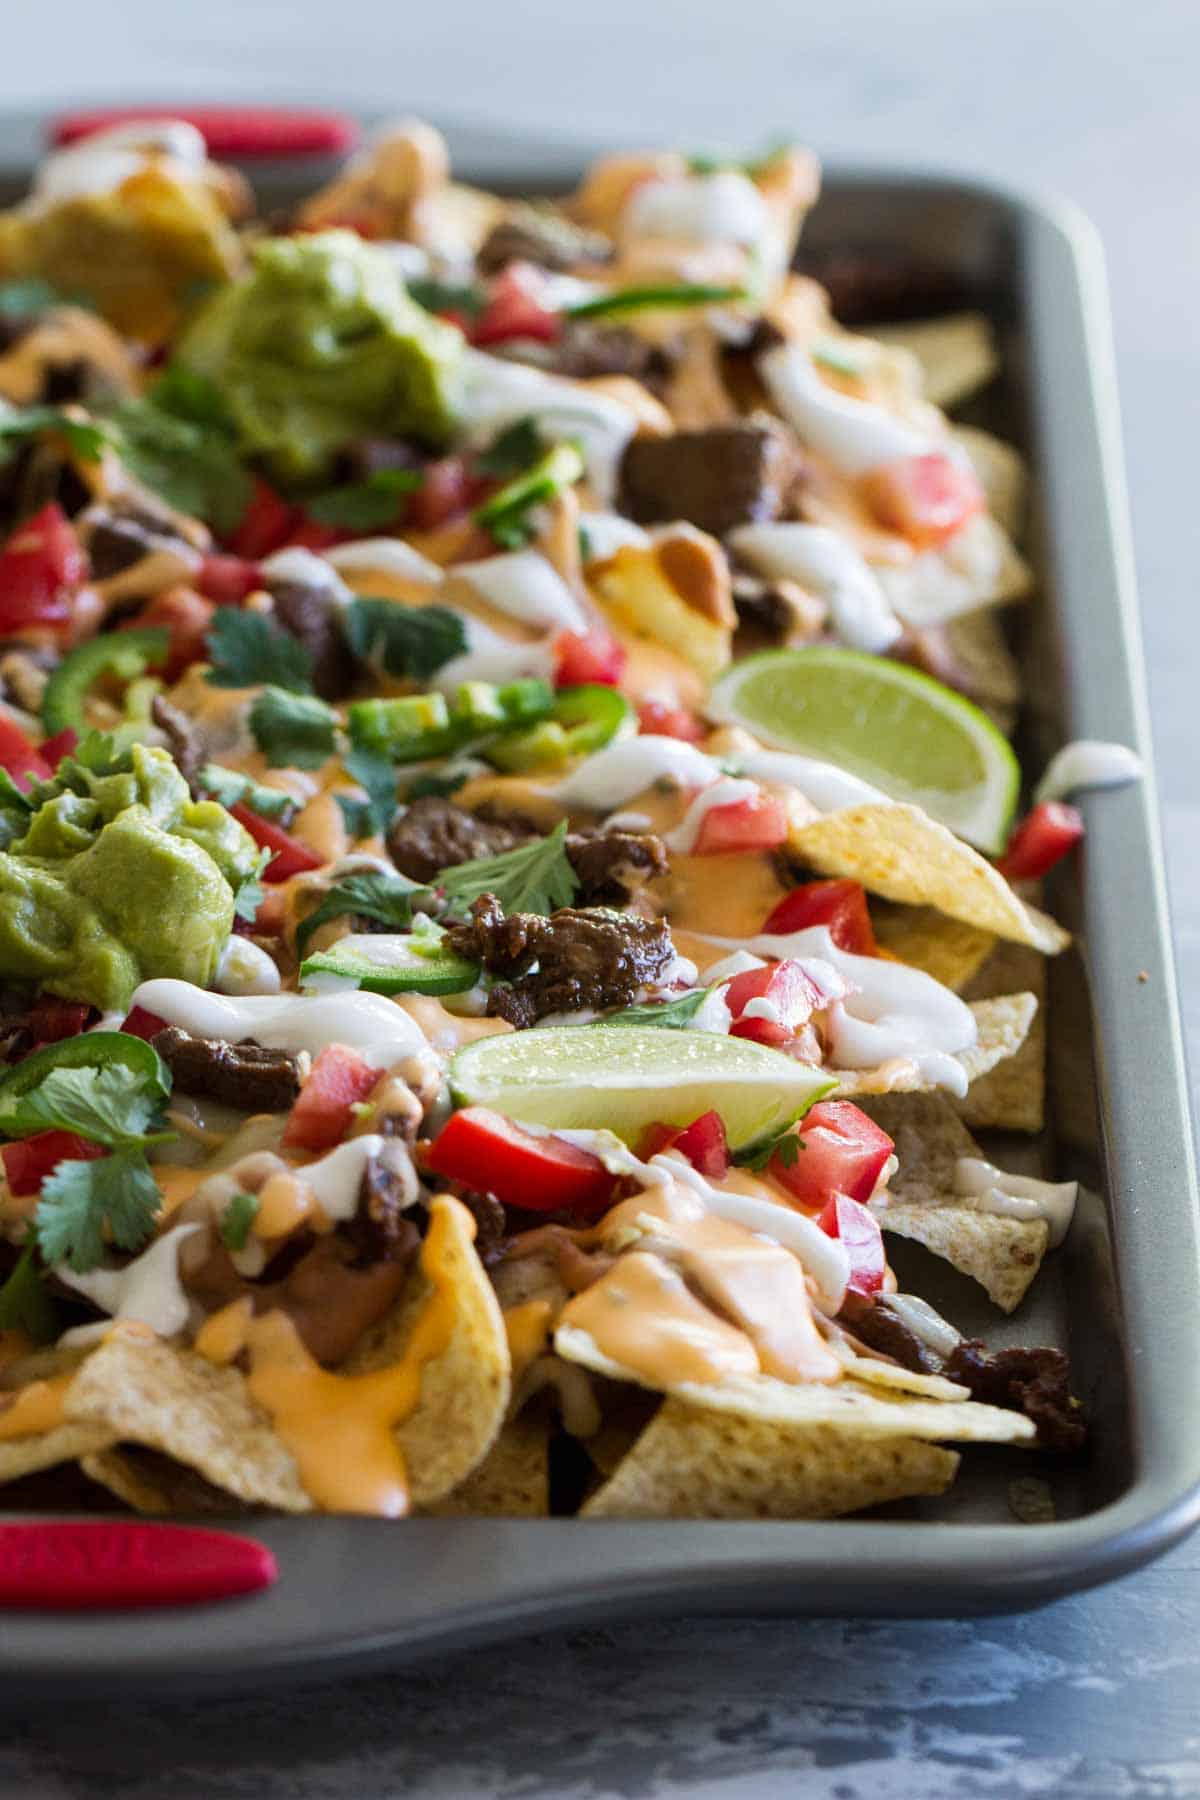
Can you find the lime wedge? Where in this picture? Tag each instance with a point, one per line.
(626, 1077)
(884, 722)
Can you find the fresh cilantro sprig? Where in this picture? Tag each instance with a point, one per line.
(246, 648)
(237, 1219)
(249, 895)
(517, 446)
(232, 788)
(375, 773)
(84, 436)
(415, 641)
(533, 878)
(445, 296)
(115, 1106)
(293, 731)
(24, 1303)
(178, 440)
(365, 505)
(671, 1015)
(508, 513)
(83, 1204)
(785, 1147)
(372, 894)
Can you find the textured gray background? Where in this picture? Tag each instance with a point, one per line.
(1095, 1697)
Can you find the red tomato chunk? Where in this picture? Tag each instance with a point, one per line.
(842, 1151)
(489, 1153)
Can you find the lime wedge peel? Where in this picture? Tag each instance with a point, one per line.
(622, 1078)
(890, 725)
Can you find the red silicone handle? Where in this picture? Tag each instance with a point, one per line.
(72, 1565)
(246, 131)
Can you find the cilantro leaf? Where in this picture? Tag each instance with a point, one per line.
(84, 436)
(377, 774)
(177, 439)
(249, 895)
(786, 1145)
(232, 788)
(237, 1219)
(80, 1199)
(372, 894)
(533, 878)
(440, 785)
(672, 1015)
(113, 1106)
(508, 514)
(246, 648)
(294, 731)
(445, 296)
(416, 640)
(364, 505)
(24, 1303)
(517, 446)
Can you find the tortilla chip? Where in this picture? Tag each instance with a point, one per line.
(979, 566)
(1002, 1254)
(175, 1401)
(1011, 1096)
(662, 592)
(692, 1463)
(465, 1390)
(512, 1481)
(65, 1443)
(156, 1485)
(900, 853)
(956, 353)
(949, 950)
(1002, 471)
(1002, 1026)
(976, 642)
(851, 1405)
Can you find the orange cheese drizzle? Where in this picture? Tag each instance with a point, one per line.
(36, 1409)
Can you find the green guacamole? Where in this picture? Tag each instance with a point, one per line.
(120, 875)
(319, 344)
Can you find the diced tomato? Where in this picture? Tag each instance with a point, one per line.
(310, 534)
(40, 567)
(339, 1079)
(52, 1019)
(228, 579)
(488, 1152)
(759, 822)
(63, 743)
(858, 1231)
(266, 523)
(703, 1142)
(657, 719)
(141, 1022)
(842, 1151)
(513, 310)
(28, 1162)
(926, 498)
(588, 656)
(290, 857)
(187, 617)
(792, 995)
(447, 489)
(22, 759)
(841, 905)
(1041, 839)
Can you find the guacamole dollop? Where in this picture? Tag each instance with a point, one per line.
(119, 876)
(320, 343)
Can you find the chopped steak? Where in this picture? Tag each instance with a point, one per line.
(573, 960)
(433, 834)
(313, 615)
(583, 349)
(532, 234)
(182, 738)
(879, 1328)
(245, 1075)
(718, 478)
(1035, 1381)
(380, 1229)
(609, 863)
(117, 541)
(490, 1216)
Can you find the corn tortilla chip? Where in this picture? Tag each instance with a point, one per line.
(1001, 1025)
(464, 1391)
(1002, 472)
(949, 950)
(64, 1443)
(1012, 1095)
(692, 1463)
(900, 853)
(976, 642)
(175, 1401)
(957, 353)
(853, 1406)
(157, 1485)
(513, 1480)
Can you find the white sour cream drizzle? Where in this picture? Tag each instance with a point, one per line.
(526, 587)
(606, 533)
(381, 1032)
(1088, 763)
(495, 393)
(924, 1323)
(147, 1289)
(727, 792)
(391, 556)
(985, 1188)
(244, 968)
(827, 788)
(832, 569)
(890, 1011)
(491, 657)
(960, 575)
(722, 208)
(103, 160)
(307, 569)
(856, 436)
(615, 774)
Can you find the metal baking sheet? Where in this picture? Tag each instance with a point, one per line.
(1121, 1296)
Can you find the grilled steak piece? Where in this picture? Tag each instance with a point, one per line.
(1034, 1381)
(382, 1229)
(610, 863)
(532, 234)
(433, 834)
(583, 349)
(879, 1328)
(718, 478)
(583, 959)
(313, 615)
(244, 1075)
